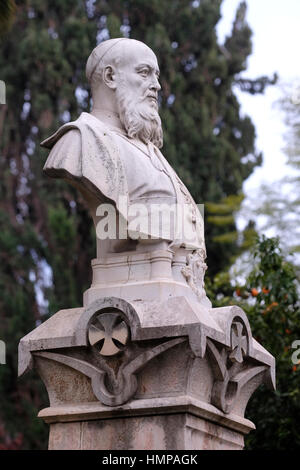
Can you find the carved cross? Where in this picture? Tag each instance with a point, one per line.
(109, 332)
(238, 343)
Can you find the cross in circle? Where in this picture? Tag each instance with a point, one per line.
(109, 333)
(238, 343)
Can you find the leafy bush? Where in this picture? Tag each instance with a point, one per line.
(270, 298)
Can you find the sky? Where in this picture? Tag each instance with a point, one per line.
(276, 40)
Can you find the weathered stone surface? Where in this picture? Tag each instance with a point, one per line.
(161, 432)
(204, 371)
(159, 424)
(65, 438)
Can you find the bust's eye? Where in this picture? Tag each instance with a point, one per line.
(144, 72)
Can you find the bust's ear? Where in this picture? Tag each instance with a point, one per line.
(109, 77)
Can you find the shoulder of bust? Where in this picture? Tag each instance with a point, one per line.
(73, 129)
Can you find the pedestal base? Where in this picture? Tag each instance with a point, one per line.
(183, 423)
(169, 375)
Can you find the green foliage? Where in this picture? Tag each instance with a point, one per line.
(19, 313)
(226, 241)
(49, 44)
(7, 12)
(270, 297)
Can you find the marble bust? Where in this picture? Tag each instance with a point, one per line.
(113, 152)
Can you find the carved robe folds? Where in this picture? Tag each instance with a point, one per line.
(115, 168)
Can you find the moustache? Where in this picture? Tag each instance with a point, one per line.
(151, 96)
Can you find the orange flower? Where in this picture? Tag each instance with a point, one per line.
(238, 292)
(254, 292)
(288, 332)
(294, 368)
(265, 290)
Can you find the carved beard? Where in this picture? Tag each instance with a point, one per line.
(140, 120)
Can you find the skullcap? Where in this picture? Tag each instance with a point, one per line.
(98, 54)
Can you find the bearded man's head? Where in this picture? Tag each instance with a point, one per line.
(130, 69)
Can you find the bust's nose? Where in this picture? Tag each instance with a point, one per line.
(155, 85)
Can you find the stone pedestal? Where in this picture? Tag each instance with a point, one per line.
(170, 373)
(161, 424)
